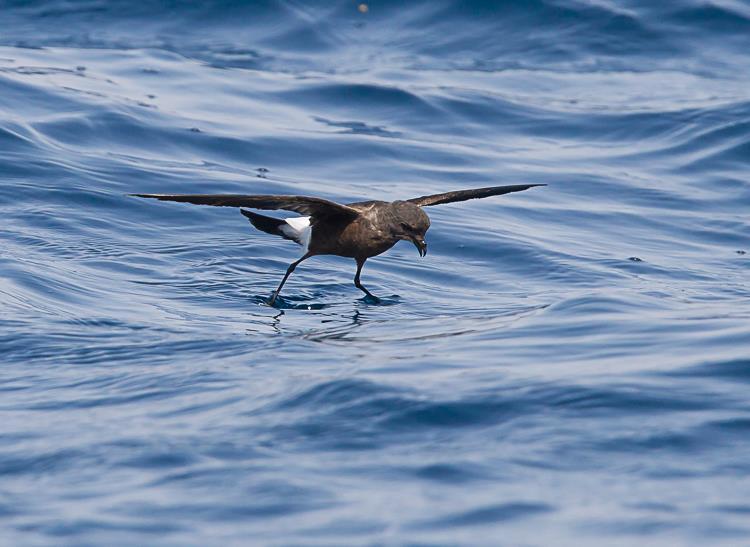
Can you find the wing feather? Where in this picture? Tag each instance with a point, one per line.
(304, 205)
(463, 195)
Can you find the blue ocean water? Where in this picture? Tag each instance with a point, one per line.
(568, 365)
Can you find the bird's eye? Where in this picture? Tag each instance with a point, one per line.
(405, 226)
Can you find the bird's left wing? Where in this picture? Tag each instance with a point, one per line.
(463, 195)
(304, 205)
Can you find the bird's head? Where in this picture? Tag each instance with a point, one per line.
(410, 223)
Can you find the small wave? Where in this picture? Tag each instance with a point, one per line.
(578, 346)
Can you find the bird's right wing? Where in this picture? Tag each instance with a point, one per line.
(315, 207)
(463, 195)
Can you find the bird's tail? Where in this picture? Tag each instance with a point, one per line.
(273, 226)
(266, 224)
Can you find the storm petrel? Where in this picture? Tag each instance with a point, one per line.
(355, 230)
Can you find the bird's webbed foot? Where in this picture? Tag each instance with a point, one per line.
(369, 297)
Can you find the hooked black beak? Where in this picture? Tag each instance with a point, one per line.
(420, 244)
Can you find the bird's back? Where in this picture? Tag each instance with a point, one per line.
(365, 236)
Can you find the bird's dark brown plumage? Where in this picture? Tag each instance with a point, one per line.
(298, 204)
(463, 195)
(357, 230)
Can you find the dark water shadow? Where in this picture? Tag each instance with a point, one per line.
(289, 302)
(372, 300)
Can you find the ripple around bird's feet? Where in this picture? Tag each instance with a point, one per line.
(373, 300)
(292, 303)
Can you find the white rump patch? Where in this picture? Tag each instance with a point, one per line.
(298, 228)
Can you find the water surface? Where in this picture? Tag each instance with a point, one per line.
(567, 366)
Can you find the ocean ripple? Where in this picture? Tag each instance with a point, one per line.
(566, 366)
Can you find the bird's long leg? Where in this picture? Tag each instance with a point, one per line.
(289, 271)
(358, 284)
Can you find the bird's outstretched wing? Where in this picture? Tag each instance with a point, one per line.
(463, 195)
(316, 207)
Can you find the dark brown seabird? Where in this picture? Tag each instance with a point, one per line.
(356, 230)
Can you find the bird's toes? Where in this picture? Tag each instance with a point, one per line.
(371, 299)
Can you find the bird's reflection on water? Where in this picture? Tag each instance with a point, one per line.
(367, 322)
(333, 325)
